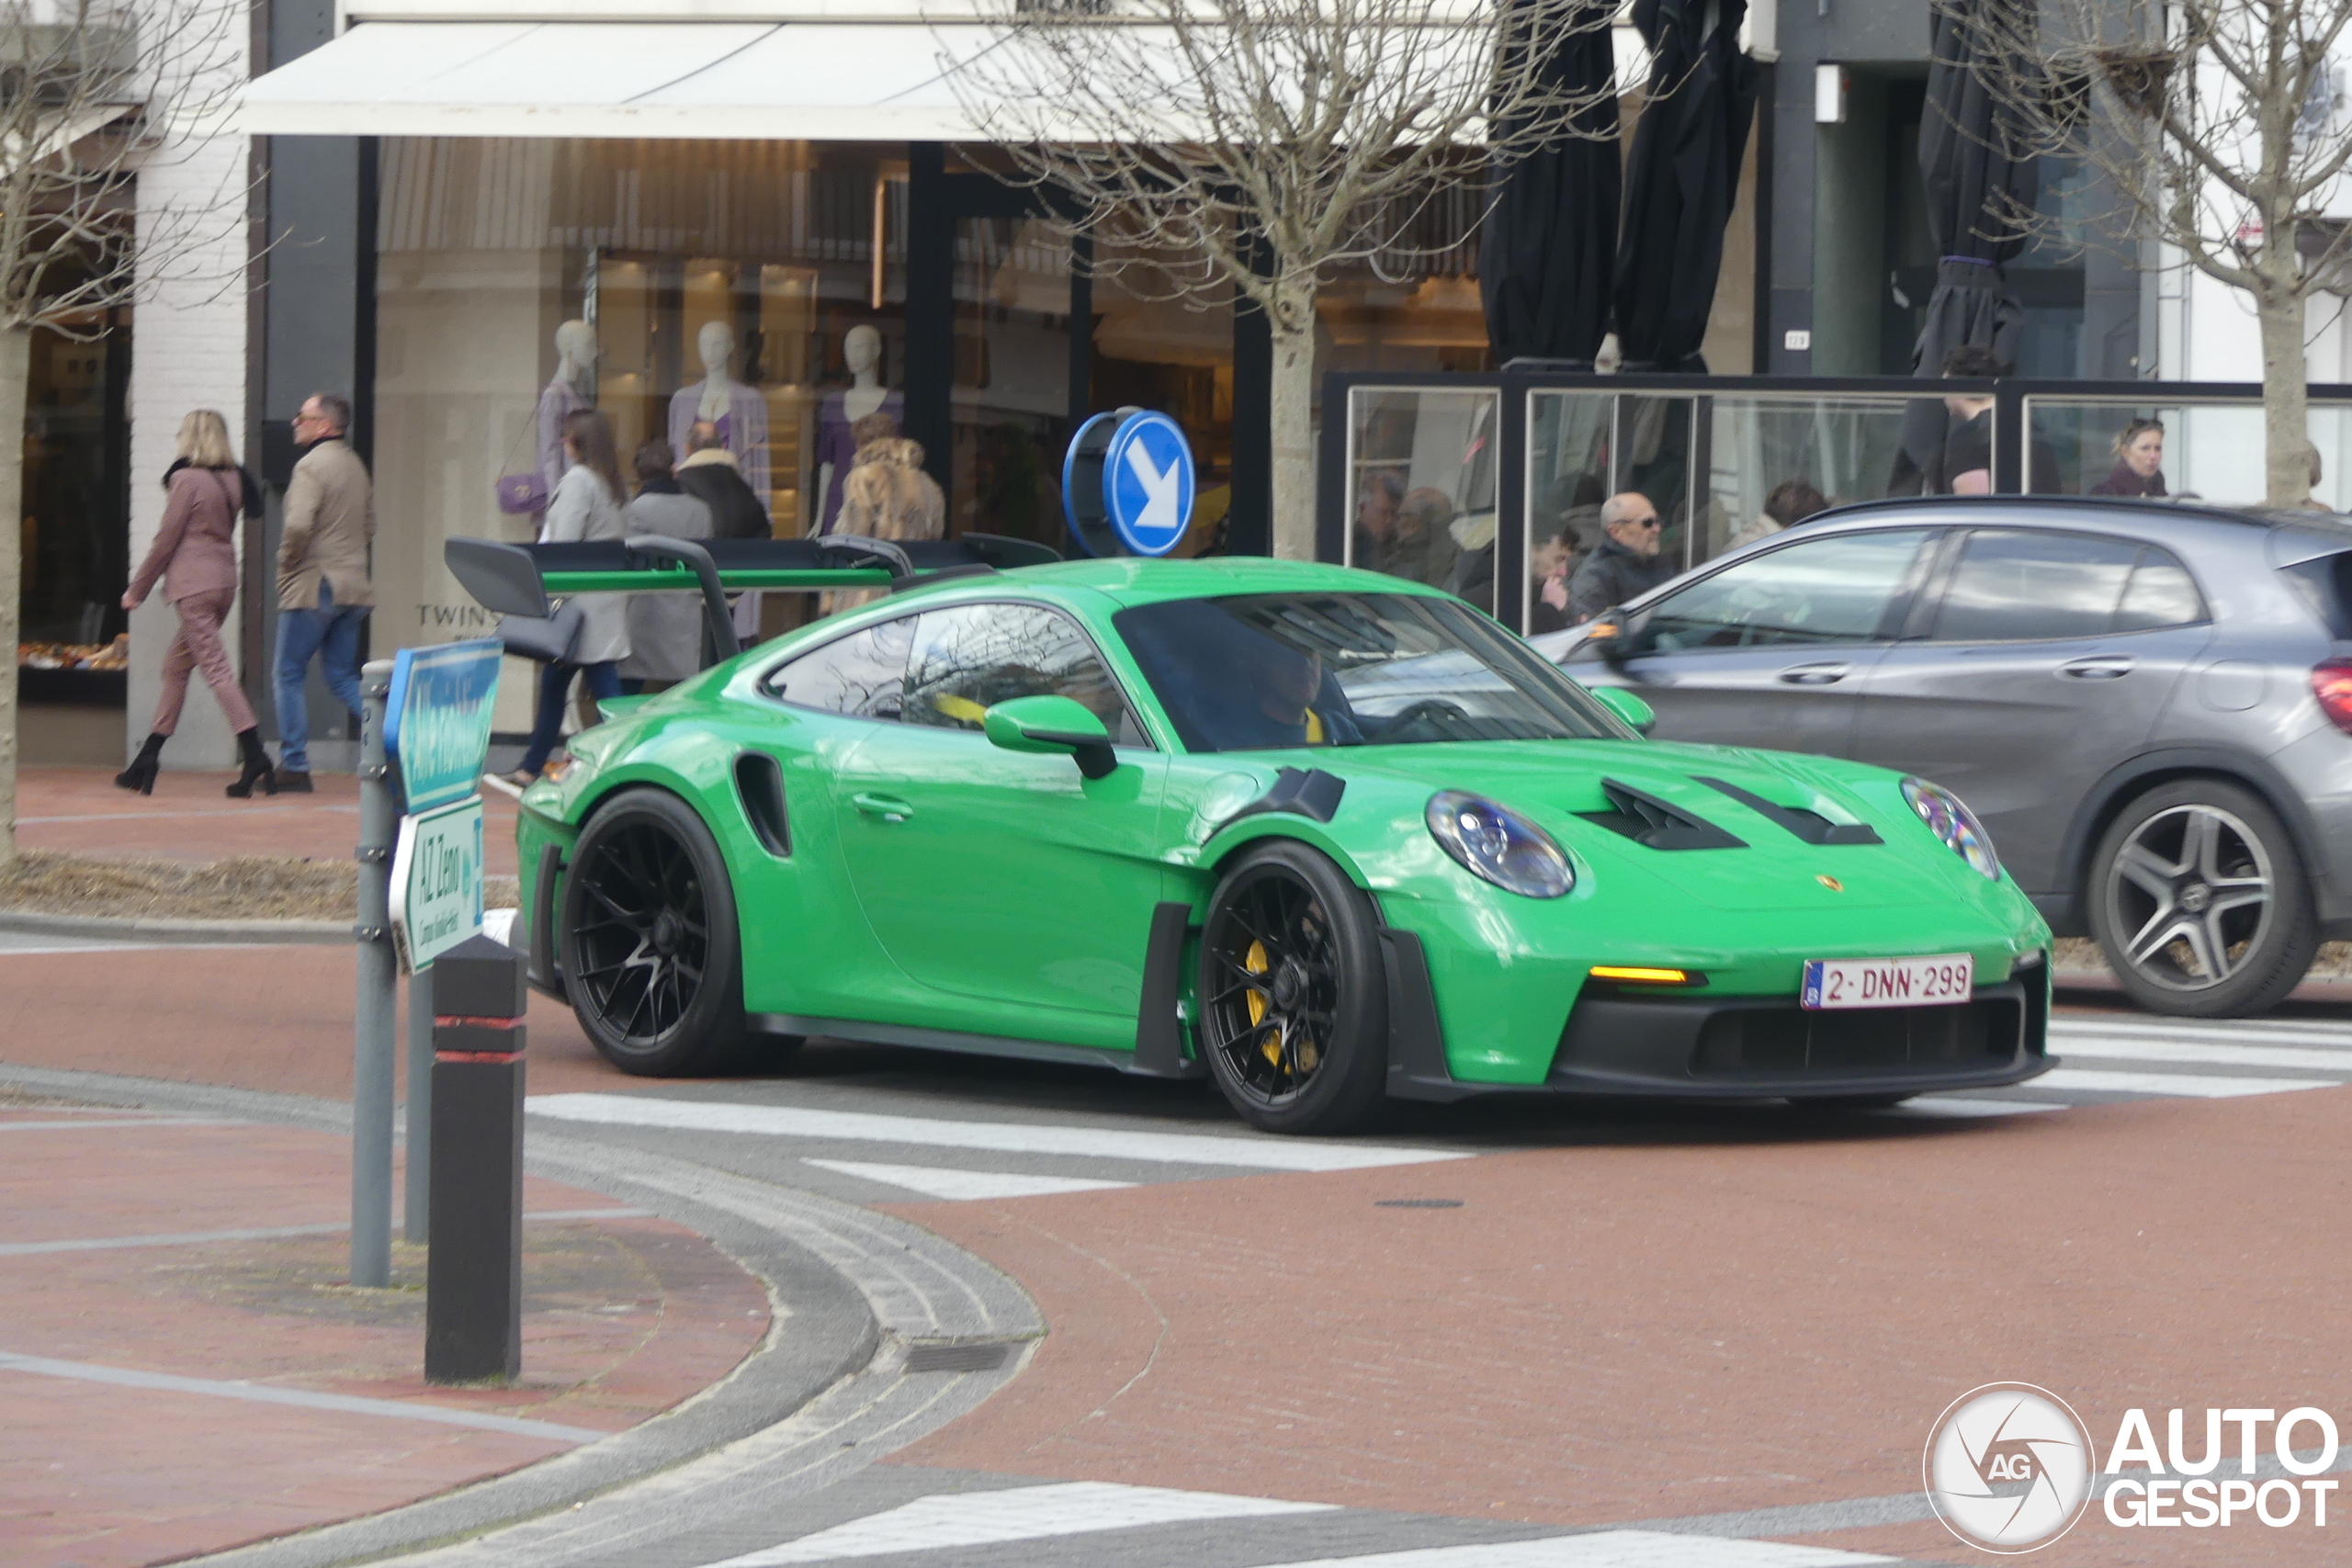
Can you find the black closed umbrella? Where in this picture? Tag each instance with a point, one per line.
(1980, 180)
(1684, 178)
(1550, 241)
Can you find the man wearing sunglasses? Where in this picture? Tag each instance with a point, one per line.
(1626, 563)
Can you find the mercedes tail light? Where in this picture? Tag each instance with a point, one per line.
(2332, 684)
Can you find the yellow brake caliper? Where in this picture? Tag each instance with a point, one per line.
(1256, 963)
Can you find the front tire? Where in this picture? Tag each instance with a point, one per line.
(652, 960)
(1294, 998)
(2198, 900)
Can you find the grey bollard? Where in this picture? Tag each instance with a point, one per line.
(473, 1286)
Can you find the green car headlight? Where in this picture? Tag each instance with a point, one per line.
(1496, 844)
(1950, 819)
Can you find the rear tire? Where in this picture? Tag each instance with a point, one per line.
(1293, 998)
(2198, 898)
(651, 955)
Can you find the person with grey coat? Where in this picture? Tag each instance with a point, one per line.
(585, 505)
(665, 631)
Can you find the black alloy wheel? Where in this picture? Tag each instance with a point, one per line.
(2198, 898)
(651, 960)
(1294, 998)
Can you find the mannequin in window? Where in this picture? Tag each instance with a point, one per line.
(837, 417)
(573, 388)
(740, 413)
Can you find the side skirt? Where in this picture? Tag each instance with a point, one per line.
(942, 1040)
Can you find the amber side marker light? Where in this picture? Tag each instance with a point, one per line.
(1635, 975)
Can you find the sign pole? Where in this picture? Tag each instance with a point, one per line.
(373, 1059)
(417, 1181)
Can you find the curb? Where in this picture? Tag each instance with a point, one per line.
(158, 930)
(852, 1293)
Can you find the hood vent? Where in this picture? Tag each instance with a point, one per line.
(1651, 822)
(1810, 825)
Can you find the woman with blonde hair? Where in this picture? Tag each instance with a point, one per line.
(195, 554)
(887, 495)
(2139, 461)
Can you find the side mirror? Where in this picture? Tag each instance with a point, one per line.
(1626, 705)
(1052, 723)
(1606, 634)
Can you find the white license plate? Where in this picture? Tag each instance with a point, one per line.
(1940, 981)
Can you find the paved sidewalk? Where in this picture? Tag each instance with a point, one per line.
(186, 1368)
(189, 818)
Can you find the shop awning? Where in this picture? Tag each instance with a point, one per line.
(759, 80)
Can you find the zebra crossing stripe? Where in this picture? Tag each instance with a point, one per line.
(941, 1181)
(2193, 1086)
(1609, 1549)
(2251, 1033)
(947, 1519)
(2301, 1057)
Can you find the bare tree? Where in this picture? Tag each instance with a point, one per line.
(2221, 128)
(1245, 148)
(90, 95)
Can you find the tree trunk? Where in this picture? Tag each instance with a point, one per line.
(2286, 399)
(1291, 402)
(15, 360)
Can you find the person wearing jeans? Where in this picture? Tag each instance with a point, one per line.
(324, 588)
(331, 634)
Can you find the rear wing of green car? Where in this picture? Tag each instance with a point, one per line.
(522, 580)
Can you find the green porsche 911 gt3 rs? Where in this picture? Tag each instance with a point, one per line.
(1328, 836)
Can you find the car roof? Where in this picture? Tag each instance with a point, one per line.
(2138, 515)
(1131, 582)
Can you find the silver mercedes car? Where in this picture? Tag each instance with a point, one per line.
(2148, 703)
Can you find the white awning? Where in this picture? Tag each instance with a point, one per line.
(747, 81)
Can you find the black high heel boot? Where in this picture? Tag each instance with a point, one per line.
(258, 767)
(140, 774)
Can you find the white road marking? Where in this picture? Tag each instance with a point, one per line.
(2321, 1037)
(1026, 1513)
(1942, 1105)
(6, 1126)
(2193, 1086)
(1010, 1137)
(267, 1233)
(940, 1181)
(1609, 1549)
(263, 1393)
(2222, 1056)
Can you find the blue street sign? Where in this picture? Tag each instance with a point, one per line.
(1147, 479)
(436, 719)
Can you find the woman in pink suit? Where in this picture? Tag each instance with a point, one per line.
(195, 554)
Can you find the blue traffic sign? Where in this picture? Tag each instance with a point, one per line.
(1147, 480)
(436, 719)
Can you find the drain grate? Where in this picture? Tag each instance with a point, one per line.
(957, 1357)
(1417, 1203)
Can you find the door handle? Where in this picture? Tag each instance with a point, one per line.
(1815, 674)
(887, 807)
(2097, 666)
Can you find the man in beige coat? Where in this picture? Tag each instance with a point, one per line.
(324, 590)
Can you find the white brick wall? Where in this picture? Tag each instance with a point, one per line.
(188, 352)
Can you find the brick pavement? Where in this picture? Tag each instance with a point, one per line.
(188, 818)
(624, 1317)
(1675, 1327)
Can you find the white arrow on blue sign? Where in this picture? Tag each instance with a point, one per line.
(1147, 483)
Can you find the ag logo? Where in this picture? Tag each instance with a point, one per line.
(2008, 1467)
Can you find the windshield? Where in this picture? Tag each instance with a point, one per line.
(1271, 671)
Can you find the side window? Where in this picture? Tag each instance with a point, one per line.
(970, 657)
(862, 674)
(1824, 591)
(2017, 586)
(2161, 594)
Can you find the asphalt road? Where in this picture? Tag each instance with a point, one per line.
(1500, 1335)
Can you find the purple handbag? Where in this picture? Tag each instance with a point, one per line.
(520, 495)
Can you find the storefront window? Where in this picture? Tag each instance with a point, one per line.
(2213, 451)
(1012, 326)
(1421, 488)
(759, 285)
